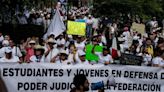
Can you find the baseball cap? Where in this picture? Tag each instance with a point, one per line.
(8, 50)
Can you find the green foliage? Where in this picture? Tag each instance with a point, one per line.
(143, 8)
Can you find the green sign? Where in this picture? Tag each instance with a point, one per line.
(90, 49)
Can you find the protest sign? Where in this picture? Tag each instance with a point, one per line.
(45, 77)
(89, 52)
(138, 27)
(129, 59)
(76, 28)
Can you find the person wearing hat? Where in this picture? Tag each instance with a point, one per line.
(5, 44)
(63, 58)
(8, 56)
(80, 58)
(61, 42)
(51, 52)
(29, 49)
(38, 54)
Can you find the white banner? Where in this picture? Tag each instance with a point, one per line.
(47, 77)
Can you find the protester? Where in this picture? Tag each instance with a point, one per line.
(81, 83)
(63, 58)
(30, 44)
(9, 57)
(158, 61)
(38, 56)
(51, 52)
(80, 58)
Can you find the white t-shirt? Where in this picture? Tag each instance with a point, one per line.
(60, 41)
(158, 60)
(65, 62)
(107, 58)
(16, 51)
(54, 52)
(13, 59)
(80, 46)
(35, 59)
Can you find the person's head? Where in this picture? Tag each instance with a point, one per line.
(51, 43)
(148, 42)
(63, 55)
(7, 37)
(105, 51)
(82, 55)
(38, 50)
(32, 43)
(0, 33)
(11, 43)
(78, 39)
(89, 16)
(154, 19)
(72, 48)
(8, 52)
(81, 82)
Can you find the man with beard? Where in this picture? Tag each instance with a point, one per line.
(81, 83)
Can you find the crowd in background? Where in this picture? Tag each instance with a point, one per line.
(115, 35)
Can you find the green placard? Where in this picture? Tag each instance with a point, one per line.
(91, 56)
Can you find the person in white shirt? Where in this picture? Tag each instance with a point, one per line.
(61, 42)
(80, 58)
(63, 58)
(15, 50)
(79, 44)
(72, 52)
(51, 52)
(5, 44)
(158, 61)
(38, 55)
(105, 57)
(126, 35)
(8, 56)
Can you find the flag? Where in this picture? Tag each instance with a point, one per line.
(76, 28)
(56, 27)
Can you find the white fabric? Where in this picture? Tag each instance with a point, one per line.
(107, 58)
(60, 41)
(65, 62)
(16, 51)
(13, 59)
(80, 46)
(54, 52)
(57, 26)
(158, 60)
(34, 59)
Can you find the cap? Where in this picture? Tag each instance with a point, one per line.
(51, 40)
(32, 41)
(8, 50)
(63, 52)
(81, 53)
(39, 47)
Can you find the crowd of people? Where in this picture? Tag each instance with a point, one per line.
(70, 49)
